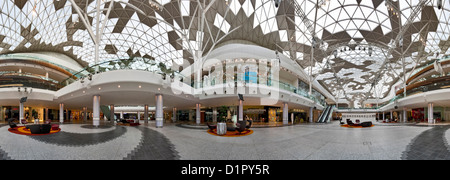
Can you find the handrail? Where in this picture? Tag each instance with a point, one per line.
(135, 63)
(426, 83)
(426, 68)
(35, 59)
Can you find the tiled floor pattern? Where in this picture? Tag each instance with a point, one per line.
(429, 145)
(307, 141)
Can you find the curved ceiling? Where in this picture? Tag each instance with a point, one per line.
(356, 55)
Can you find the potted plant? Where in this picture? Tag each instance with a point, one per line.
(35, 115)
(221, 120)
(222, 114)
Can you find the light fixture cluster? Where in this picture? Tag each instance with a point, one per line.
(154, 5)
(370, 50)
(324, 3)
(25, 90)
(392, 9)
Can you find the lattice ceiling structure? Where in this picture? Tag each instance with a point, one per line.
(356, 52)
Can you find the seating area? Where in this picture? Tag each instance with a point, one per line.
(32, 129)
(127, 122)
(241, 129)
(39, 128)
(357, 124)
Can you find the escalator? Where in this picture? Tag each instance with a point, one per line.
(325, 117)
(330, 114)
(106, 112)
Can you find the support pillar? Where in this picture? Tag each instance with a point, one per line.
(112, 117)
(197, 113)
(241, 110)
(61, 113)
(214, 114)
(292, 118)
(96, 111)
(174, 115)
(384, 117)
(391, 117)
(138, 116)
(45, 114)
(311, 114)
(85, 114)
(121, 114)
(159, 115)
(146, 113)
(67, 115)
(285, 113)
(430, 113)
(21, 112)
(405, 117)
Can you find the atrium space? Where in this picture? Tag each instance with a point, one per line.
(224, 80)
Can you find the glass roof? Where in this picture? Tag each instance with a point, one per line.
(366, 64)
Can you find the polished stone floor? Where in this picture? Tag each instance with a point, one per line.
(299, 142)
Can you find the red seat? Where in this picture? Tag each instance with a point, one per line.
(134, 124)
(55, 126)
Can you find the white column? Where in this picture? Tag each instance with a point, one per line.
(405, 117)
(146, 113)
(214, 114)
(121, 114)
(430, 112)
(61, 113)
(285, 113)
(241, 110)
(174, 114)
(292, 118)
(85, 114)
(311, 114)
(197, 114)
(392, 117)
(21, 112)
(159, 111)
(384, 117)
(96, 111)
(138, 116)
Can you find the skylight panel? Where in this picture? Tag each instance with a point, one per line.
(383, 10)
(264, 17)
(185, 8)
(283, 35)
(221, 23)
(366, 3)
(248, 8)
(235, 6)
(163, 2)
(386, 26)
